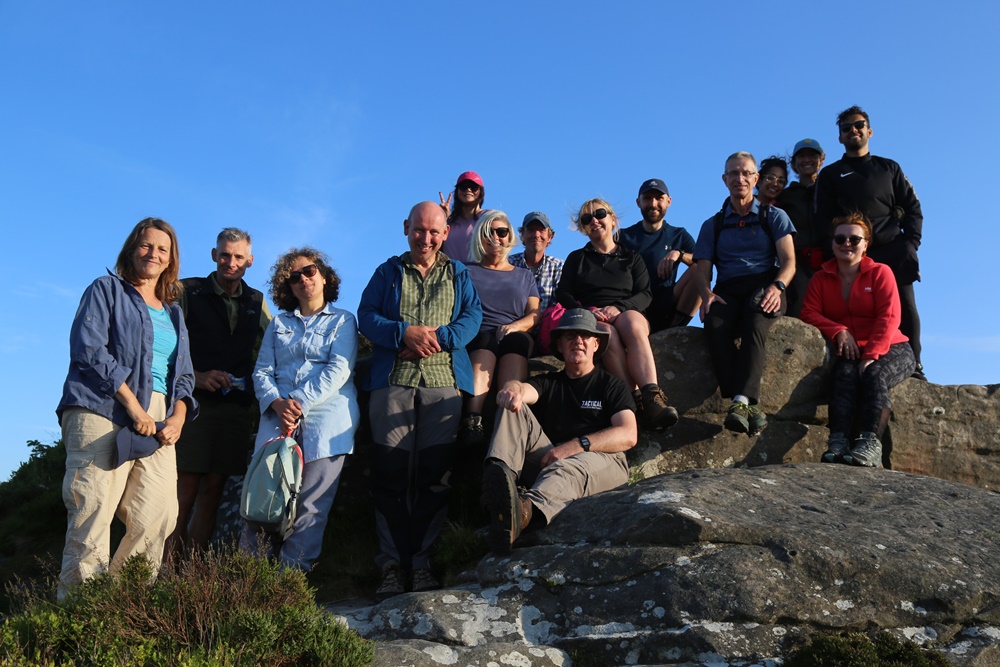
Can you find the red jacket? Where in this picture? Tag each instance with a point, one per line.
(871, 314)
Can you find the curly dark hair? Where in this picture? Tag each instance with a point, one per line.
(852, 111)
(281, 289)
(773, 161)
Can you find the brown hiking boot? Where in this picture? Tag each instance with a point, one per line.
(509, 512)
(655, 408)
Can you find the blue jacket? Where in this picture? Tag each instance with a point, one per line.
(379, 321)
(111, 342)
(313, 364)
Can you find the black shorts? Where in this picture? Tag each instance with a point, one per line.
(219, 440)
(516, 342)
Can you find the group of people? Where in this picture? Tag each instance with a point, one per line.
(168, 379)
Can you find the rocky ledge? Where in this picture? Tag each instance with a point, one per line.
(721, 567)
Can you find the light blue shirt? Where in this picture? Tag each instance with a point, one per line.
(164, 347)
(312, 362)
(745, 249)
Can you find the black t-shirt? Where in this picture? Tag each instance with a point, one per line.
(569, 408)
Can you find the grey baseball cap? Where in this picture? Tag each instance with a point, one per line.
(531, 217)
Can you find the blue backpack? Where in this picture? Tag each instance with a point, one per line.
(271, 487)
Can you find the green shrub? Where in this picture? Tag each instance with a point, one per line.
(856, 649)
(214, 609)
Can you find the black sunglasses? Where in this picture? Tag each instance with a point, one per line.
(857, 125)
(854, 239)
(501, 232)
(468, 185)
(588, 218)
(307, 271)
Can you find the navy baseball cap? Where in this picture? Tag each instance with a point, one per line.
(654, 184)
(133, 446)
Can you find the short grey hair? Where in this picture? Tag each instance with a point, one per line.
(481, 233)
(233, 235)
(741, 154)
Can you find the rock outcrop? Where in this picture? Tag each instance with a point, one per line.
(729, 566)
(724, 556)
(949, 432)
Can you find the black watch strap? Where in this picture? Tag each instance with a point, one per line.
(584, 442)
(780, 285)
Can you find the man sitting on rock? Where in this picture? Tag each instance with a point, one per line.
(570, 444)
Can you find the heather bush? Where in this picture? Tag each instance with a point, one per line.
(217, 608)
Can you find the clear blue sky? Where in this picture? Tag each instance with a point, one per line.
(322, 123)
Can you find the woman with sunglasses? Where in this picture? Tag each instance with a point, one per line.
(304, 380)
(854, 302)
(612, 282)
(511, 309)
(773, 178)
(463, 214)
(130, 368)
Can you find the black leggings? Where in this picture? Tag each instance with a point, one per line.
(867, 395)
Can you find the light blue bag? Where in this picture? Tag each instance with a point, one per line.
(271, 487)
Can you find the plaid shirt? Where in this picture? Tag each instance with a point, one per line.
(428, 301)
(547, 275)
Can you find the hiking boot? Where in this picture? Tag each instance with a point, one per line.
(918, 374)
(502, 506)
(392, 582)
(867, 451)
(470, 431)
(424, 580)
(654, 406)
(738, 419)
(837, 449)
(757, 420)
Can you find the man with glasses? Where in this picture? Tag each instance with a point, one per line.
(569, 443)
(876, 186)
(750, 246)
(226, 319)
(663, 249)
(419, 310)
(536, 235)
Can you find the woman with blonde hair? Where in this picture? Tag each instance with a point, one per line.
(511, 309)
(612, 282)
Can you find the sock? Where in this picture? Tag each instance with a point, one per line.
(740, 398)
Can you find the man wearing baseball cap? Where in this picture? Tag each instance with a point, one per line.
(797, 200)
(663, 249)
(536, 235)
(569, 443)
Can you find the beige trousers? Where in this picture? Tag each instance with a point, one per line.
(141, 493)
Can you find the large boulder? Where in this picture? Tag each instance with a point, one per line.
(730, 566)
(950, 432)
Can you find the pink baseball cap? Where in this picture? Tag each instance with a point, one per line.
(470, 176)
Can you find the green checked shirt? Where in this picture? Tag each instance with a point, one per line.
(426, 301)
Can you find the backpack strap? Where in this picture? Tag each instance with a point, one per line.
(763, 219)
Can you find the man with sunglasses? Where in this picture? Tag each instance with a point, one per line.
(750, 246)
(876, 186)
(226, 319)
(663, 248)
(564, 434)
(419, 310)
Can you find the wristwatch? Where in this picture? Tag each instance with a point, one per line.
(584, 442)
(780, 285)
